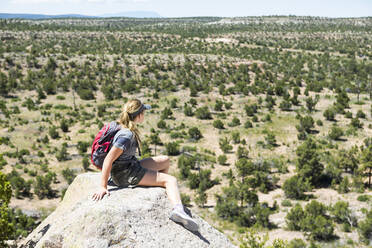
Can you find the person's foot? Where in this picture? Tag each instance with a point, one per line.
(179, 216)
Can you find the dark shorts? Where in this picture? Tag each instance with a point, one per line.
(127, 173)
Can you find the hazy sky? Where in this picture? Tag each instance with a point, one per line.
(178, 8)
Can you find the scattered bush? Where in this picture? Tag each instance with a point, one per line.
(172, 148)
(363, 198)
(222, 159)
(195, 133)
(203, 113)
(53, 133)
(69, 175)
(218, 124)
(335, 133)
(295, 186)
(286, 203)
(225, 145)
(313, 220)
(365, 228)
(329, 114)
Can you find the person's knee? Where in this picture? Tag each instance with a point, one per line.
(171, 180)
(164, 159)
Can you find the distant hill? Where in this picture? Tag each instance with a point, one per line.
(40, 16)
(136, 14)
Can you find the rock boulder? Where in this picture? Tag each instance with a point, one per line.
(129, 217)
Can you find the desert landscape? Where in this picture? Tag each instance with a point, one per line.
(267, 121)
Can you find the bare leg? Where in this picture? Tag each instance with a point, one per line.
(158, 163)
(155, 178)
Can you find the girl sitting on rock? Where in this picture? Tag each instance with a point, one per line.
(126, 169)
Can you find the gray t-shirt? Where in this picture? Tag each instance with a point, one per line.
(125, 140)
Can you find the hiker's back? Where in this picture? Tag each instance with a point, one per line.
(125, 140)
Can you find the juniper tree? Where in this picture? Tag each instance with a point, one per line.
(308, 161)
(225, 145)
(6, 227)
(366, 162)
(218, 124)
(195, 133)
(311, 102)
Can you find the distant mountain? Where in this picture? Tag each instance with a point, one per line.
(137, 14)
(40, 16)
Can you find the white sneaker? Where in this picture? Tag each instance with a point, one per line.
(180, 216)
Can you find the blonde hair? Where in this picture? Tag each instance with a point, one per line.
(126, 121)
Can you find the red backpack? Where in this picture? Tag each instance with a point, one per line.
(103, 142)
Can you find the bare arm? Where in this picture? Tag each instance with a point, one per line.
(113, 154)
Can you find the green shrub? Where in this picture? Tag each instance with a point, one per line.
(295, 186)
(248, 124)
(297, 243)
(162, 124)
(342, 213)
(348, 115)
(242, 152)
(329, 114)
(313, 220)
(185, 164)
(228, 105)
(218, 124)
(286, 203)
(53, 133)
(203, 113)
(285, 105)
(62, 155)
(235, 136)
(355, 122)
(222, 159)
(218, 106)
(295, 217)
(69, 175)
(344, 186)
(172, 148)
(234, 122)
(365, 228)
(308, 161)
(60, 97)
(166, 113)
(195, 133)
(61, 107)
(321, 229)
(86, 94)
(335, 133)
(306, 124)
(361, 114)
(225, 145)
(85, 163)
(250, 110)
(82, 146)
(6, 228)
(186, 201)
(22, 224)
(363, 198)
(188, 111)
(20, 186)
(270, 140)
(42, 186)
(64, 125)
